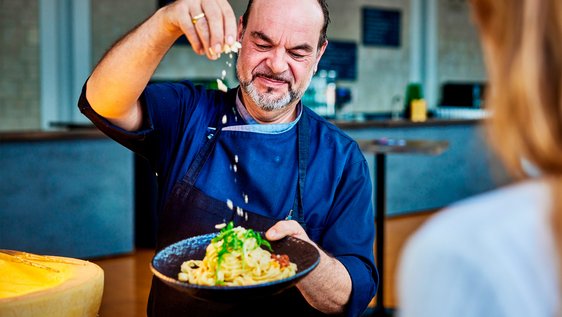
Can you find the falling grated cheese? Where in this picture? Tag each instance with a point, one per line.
(222, 87)
(220, 226)
(235, 47)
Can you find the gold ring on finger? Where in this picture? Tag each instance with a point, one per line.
(197, 18)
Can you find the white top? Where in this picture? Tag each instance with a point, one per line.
(492, 255)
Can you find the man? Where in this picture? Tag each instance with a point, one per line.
(256, 147)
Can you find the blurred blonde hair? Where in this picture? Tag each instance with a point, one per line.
(522, 39)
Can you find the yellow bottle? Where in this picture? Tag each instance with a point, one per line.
(419, 110)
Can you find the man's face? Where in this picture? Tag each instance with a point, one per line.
(279, 51)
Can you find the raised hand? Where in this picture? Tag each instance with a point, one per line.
(209, 25)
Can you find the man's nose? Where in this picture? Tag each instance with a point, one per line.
(277, 61)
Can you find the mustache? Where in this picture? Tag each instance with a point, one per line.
(280, 77)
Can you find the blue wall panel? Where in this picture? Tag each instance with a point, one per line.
(71, 198)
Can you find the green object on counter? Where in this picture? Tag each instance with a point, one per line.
(209, 83)
(414, 91)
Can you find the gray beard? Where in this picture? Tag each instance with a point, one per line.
(269, 103)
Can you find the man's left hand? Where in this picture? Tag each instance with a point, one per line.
(328, 287)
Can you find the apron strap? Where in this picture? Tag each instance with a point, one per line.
(205, 152)
(202, 156)
(303, 141)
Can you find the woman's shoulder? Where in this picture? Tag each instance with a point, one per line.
(489, 213)
(477, 229)
(498, 244)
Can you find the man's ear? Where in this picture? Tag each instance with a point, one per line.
(240, 29)
(321, 51)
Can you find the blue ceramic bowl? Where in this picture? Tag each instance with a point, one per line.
(166, 265)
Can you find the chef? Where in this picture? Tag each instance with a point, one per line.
(254, 154)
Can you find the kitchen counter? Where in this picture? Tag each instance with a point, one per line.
(400, 123)
(74, 134)
(90, 132)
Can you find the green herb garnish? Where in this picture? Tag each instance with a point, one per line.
(232, 242)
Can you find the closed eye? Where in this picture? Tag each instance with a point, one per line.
(263, 47)
(296, 55)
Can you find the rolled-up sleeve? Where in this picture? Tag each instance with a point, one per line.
(167, 110)
(133, 140)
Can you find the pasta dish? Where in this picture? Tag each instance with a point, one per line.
(235, 258)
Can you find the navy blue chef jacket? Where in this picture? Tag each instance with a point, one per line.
(262, 166)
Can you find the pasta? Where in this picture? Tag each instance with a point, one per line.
(235, 258)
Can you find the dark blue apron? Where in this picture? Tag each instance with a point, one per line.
(189, 212)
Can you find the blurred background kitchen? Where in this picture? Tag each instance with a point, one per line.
(66, 189)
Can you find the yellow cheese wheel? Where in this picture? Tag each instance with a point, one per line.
(39, 286)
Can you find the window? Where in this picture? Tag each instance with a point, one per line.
(65, 49)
